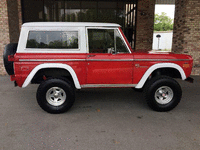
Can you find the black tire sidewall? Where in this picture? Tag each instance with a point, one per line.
(138, 90)
(165, 81)
(45, 86)
(10, 49)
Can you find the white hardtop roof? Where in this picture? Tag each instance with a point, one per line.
(69, 24)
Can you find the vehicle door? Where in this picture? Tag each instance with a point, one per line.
(109, 60)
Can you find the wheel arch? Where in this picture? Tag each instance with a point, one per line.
(52, 65)
(160, 66)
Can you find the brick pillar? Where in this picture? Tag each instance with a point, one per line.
(4, 32)
(145, 22)
(14, 19)
(19, 13)
(10, 23)
(186, 37)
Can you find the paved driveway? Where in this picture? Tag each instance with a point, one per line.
(101, 119)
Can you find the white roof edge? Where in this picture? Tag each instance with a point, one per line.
(68, 24)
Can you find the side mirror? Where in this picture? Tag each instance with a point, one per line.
(111, 50)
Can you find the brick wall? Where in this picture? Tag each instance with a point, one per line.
(13, 19)
(19, 14)
(4, 32)
(186, 37)
(10, 23)
(145, 22)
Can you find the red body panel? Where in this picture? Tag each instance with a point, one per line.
(109, 68)
(146, 60)
(100, 68)
(23, 68)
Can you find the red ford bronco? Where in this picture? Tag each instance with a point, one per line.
(63, 56)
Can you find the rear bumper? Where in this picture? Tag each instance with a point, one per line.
(13, 78)
(189, 79)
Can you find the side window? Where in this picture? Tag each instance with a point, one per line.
(100, 40)
(53, 39)
(120, 45)
(106, 41)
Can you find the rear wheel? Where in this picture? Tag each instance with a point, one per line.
(162, 93)
(55, 95)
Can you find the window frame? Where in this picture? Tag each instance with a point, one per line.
(120, 34)
(54, 49)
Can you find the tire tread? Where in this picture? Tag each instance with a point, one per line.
(152, 83)
(53, 109)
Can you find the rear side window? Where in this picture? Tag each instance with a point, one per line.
(53, 39)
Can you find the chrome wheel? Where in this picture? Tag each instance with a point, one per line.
(56, 96)
(164, 95)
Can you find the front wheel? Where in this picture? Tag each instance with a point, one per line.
(163, 93)
(55, 96)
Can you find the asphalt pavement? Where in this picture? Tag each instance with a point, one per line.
(101, 119)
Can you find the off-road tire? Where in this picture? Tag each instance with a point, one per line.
(46, 95)
(169, 87)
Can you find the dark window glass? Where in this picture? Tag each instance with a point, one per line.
(100, 40)
(107, 15)
(122, 12)
(120, 45)
(106, 41)
(72, 15)
(53, 39)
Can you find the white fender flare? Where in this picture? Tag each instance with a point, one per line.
(157, 66)
(52, 65)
